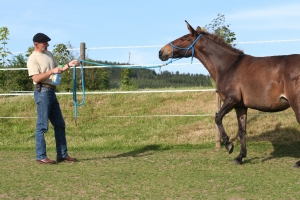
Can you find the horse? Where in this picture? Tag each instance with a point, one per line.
(268, 84)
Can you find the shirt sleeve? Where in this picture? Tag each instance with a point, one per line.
(33, 67)
(55, 63)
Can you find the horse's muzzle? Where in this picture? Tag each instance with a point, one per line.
(163, 55)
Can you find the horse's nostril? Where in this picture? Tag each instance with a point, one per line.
(160, 54)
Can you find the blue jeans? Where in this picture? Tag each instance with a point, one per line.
(48, 108)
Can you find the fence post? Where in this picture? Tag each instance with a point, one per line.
(82, 51)
(82, 55)
(218, 107)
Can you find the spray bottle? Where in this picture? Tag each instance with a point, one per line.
(56, 78)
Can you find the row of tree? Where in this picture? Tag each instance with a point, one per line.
(102, 78)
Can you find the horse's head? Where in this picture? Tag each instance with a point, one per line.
(181, 47)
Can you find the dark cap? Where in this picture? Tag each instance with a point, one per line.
(40, 38)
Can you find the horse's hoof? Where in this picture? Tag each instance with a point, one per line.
(229, 146)
(237, 162)
(297, 164)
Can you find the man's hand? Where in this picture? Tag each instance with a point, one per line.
(56, 70)
(73, 63)
(69, 65)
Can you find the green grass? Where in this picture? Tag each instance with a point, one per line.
(144, 156)
(156, 172)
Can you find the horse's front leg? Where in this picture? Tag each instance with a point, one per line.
(241, 114)
(226, 108)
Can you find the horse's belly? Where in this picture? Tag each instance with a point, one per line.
(268, 105)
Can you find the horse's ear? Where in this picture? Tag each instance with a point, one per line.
(198, 30)
(191, 29)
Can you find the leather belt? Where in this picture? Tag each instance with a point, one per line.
(48, 86)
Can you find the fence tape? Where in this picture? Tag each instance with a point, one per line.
(27, 93)
(159, 46)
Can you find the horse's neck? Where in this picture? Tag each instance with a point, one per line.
(216, 59)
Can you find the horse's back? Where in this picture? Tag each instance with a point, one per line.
(267, 83)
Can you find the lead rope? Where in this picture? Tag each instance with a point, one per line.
(76, 104)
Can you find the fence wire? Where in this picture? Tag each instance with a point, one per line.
(212, 91)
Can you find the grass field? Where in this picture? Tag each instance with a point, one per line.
(129, 147)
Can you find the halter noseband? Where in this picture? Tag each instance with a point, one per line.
(187, 49)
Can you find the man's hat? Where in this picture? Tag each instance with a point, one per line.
(40, 38)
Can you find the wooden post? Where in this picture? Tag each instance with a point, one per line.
(82, 51)
(82, 54)
(218, 107)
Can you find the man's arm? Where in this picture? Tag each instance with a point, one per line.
(40, 77)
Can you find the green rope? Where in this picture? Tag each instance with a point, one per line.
(76, 104)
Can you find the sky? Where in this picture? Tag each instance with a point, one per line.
(112, 30)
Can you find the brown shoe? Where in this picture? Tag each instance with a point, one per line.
(66, 159)
(46, 161)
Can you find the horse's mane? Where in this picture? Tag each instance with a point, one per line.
(220, 41)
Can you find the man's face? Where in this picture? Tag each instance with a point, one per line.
(41, 46)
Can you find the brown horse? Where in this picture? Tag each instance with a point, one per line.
(268, 84)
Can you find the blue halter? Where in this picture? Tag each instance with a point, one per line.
(187, 49)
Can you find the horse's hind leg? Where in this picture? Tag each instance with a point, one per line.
(241, 114)
(295, 104)
(226, 108)
(297, 164)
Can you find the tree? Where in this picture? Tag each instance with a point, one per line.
(96, 79)
(4, 33)
(18, 79)
(29, 51)
(61, 54)
(126, 82)
(218, 27)
(72, 56)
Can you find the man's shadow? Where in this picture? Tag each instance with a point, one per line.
(152, 149)
(145, 151)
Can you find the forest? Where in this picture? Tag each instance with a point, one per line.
(99, 79)
(145, 78)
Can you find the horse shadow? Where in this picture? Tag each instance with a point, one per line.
(285, 142)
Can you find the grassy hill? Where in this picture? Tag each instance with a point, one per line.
(117, 121)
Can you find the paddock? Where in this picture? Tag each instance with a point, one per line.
(152, 145)
(148, 144)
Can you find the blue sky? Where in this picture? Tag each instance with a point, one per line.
(150, 25)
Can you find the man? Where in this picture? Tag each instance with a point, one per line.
(41, 67)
